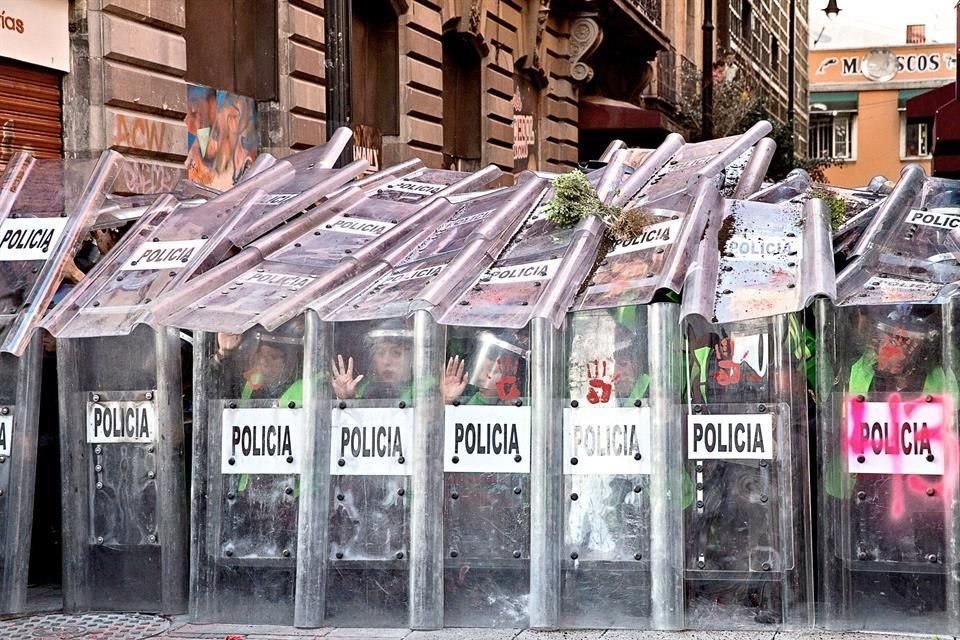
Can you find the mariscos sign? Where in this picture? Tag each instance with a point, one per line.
(36, 32)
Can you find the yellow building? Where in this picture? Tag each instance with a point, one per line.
(858, 108)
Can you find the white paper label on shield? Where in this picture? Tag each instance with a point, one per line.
(526, 272)
(939, 217)
(486, 439)
(359, 226)
(163, 255)
(606, 441)
(730, 437)
(121, 421)
(29, 238)
(896, 437)
(655, 235)
(290, 281)
(412, 186)
(371, 442)
(6, 431)
(261, 441)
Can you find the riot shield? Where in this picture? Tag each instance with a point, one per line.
(746, 522)
(486, 471)
(121, 429)
(887, 459)
(19, 413)
(46, 206)
(606, 579)
(249, 445)
(369, 465)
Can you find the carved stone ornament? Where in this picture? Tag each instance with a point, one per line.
(585, 37)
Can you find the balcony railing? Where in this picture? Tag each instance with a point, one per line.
(649, 8)
(677, 81)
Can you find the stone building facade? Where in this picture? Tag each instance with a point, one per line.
(538, 84)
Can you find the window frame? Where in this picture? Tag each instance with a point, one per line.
(904, 125)
(834, 116)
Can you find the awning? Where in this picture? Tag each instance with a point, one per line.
(604, 114)
(906, 94)
(925, 104)
(833, 101)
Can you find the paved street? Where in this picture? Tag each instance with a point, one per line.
(113, 626)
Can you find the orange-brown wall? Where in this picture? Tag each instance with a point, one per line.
(877, 142)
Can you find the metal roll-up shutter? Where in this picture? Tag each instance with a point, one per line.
(31, 110)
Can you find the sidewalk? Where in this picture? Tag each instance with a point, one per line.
(116, 626)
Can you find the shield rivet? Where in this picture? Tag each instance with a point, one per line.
(148, 395)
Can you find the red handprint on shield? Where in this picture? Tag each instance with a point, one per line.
(600, 384)
(728, 371)
(505, 375)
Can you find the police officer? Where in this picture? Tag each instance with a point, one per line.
(389, 361)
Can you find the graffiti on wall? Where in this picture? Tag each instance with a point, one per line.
(221, 136)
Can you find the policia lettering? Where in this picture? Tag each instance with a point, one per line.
(730, 437)
(371, 442)
(940, 218)
(909, 438)
(606, 440)
(120, 422)
(479, 438)
(261, 440)
(37, 238)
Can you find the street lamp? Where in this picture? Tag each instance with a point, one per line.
(832, 10)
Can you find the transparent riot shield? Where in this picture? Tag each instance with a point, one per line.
(19, 412)
(606, 579)
(746, 523)
(486, 470)
(369, 464)
(249, 444)
(124, 499)
(888, 467)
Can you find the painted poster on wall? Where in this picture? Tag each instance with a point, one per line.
(222, 136)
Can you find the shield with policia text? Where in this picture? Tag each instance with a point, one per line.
(887, 389)
(745, 485)
(619, 531)
(261, 478)
(46, 207)
(121, 396)
(374, 327)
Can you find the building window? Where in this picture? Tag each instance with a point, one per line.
(461, 102)
(746, 19)
(831, 136)
(916, 137)
(240, 54)
(774, 52)
(375, 60)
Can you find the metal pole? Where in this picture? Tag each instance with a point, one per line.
(666, 467)
(706, 94)
(546, 474)
(792, 74)
(313, 516)
(426, 480)
(337, 18)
